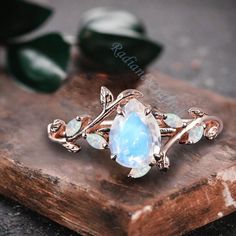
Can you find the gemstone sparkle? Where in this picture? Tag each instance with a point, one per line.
(173, 120)
(195, 134)
(73, 127)
(134, 136)
(96, 141)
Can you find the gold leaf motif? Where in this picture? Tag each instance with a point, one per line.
(106, 97)
(129, 93)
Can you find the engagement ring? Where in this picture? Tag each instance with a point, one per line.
(136, 135)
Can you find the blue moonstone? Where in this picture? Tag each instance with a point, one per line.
(134, 139)
(135, 136)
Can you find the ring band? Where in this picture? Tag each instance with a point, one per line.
(134, 136)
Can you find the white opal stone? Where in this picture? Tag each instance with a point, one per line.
(96, 141)
(173, 121)
(137, 173)
(73, 127)
(134, 136)
(195, 134)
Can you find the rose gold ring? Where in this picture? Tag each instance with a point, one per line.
(135, 135)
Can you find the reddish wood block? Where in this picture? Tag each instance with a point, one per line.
(90, 193)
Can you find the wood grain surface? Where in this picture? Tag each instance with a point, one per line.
(90, 193)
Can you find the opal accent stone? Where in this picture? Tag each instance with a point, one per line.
(173, 121)
(134, 136)
(137, 173)
(73, 127)
(195, 134)
(96, 141)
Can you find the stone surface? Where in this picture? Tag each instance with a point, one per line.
(132, 138)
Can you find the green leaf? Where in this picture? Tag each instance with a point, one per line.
(18, 17)
(111, 19)
(40, 64)
(102, 29)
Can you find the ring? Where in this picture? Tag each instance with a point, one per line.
(134, 136)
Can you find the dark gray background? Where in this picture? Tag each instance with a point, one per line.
(200, 41)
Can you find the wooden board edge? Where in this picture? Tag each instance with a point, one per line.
(62, 202)
(216, 197)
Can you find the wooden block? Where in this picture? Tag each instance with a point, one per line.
(90, 193)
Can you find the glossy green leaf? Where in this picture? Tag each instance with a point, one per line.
(111, 19)
(40, 64)
(102, 29)
(18, 17)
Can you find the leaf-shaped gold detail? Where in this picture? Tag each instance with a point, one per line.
(106, 97)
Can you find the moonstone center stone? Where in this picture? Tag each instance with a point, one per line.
(134, 137)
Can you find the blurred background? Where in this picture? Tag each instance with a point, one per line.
(199, 36)
(199, 47)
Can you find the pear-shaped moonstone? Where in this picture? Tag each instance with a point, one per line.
(134, 136)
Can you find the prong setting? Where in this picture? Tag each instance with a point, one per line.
(113, 157)
(120, 111)
(164, 116)
(157, 157)
(148, 110)
(78, 118)
(84, 135)
(105, 145)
